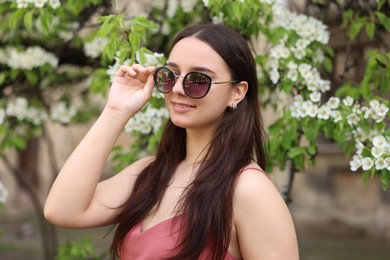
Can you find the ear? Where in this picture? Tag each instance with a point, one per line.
(239, 92)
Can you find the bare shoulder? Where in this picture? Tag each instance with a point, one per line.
(253, 181)
(261, 217)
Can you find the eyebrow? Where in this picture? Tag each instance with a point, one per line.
(195, 68)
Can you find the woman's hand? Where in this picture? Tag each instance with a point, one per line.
(131, 89)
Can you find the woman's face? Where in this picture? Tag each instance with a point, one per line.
(193, 55)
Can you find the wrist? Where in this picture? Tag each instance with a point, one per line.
(115, 116)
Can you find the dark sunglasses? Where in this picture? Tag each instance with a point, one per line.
(195, 84)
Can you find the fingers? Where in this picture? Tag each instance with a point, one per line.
(136, 71)
(149, 85)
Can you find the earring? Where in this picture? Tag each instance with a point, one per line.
(233, 107)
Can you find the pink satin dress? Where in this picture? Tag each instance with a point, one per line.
(156, 242)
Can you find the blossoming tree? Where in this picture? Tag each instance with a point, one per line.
(54, 54)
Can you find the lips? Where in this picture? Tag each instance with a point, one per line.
(181, 105)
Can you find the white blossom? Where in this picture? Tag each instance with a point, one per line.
(304, 69)
(188, 5)
(218, 19)
(31, 58)
(298, 99)
(3, 193)
(356, 162)
(292, 74)
(22, 3)
(380, 164)
(294, 111)
(36, 116)
(298, 53)
(379, 113)
(315, 96)
(60, 112)
(353, 119)
(95, 47)
(39, 3)
(367, 163)
(324, 85)
(148, 59)
(319, 55)
(279, 51)
(112, 69)
(374, 104)
(172, 7)
(336, 115)
(324, 112)
(359, 147)
(17, 108)
(306, 27)
(379, 141)
(377, 152)
(54, 3)
(348, 101)
(359, 135)
(274, 76)
(20, 109)
(333, 102)
(292, 65)
(147, 121)
(387, 160)
(312, 110)
(2, 116)
(165, 28)
(301, 44)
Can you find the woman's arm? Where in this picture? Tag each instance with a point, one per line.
(77, 199)
(264, 225)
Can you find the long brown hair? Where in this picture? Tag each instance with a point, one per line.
(238, 139)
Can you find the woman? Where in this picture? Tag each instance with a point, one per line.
(204, 194)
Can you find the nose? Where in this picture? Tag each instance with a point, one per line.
(178, 88)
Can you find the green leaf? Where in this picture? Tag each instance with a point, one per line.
(104, 30)
(16, 18)
(365, 90)
(237, 10)
(312, 150)
(328, 64)
(19, 142)
(310, 130)
(2, 78)
(384, 20)
(385, 179)
(111, 47)
(295, 151)
(134, 39)
(46, 19)
(32, 78)
(356, 28)
(370, 30)
(380, 4)
(299, 161)
(28, 19)
(144, 22)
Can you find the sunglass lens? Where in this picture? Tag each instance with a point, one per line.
(164, 80)
(196, 85)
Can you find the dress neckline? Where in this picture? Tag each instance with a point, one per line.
(162, 224)
(141, 230)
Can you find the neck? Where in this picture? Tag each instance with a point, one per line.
(197, 144)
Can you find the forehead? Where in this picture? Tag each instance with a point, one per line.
(191, 52)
